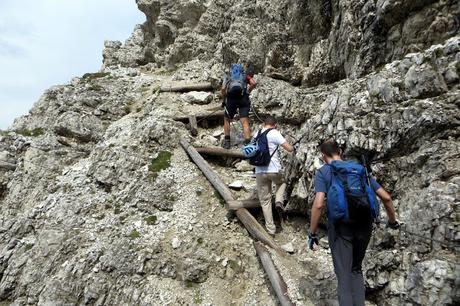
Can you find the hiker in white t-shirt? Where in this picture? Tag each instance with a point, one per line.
(267, 175)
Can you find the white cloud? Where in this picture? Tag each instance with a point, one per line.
(47, 42)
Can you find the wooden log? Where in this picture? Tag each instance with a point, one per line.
(249, 203)
(251, 224)
(7, 166)
(213, 178)
(201, 116)
(277, 281)
(186, 87)
(255, 229)
(193, 125)
(218, 151)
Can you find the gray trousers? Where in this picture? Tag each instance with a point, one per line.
(348, 243)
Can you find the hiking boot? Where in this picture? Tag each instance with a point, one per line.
(226, 144)
(231, 215)
(279, 206)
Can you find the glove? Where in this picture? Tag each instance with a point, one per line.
(296, 147)
(394, 226)
(312, 240)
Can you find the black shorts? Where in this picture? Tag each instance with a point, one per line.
(243, 105)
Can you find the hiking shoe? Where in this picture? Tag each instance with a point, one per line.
(231, 215)
(279, 206)
(226, 144)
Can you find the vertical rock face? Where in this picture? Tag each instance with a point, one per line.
(308, 42)
(100, 206)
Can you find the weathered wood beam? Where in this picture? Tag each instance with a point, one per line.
(187, 87)
(193, 125)
(251, 224)
(7, 166)
(201, 116)
(218, 151)
(277, 281)
(249, 203)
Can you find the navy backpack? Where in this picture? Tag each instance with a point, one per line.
(262, 157)
(350, 197)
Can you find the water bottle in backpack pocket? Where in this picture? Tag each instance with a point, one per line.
(236, 84)
(350, 198)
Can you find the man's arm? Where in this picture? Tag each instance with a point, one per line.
(387, 203)
(223, 91)
(316, 210)
(252, 84)
(287, 146)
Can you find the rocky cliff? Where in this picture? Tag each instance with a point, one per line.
(100, 206)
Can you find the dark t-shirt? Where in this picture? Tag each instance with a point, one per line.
(323, 180)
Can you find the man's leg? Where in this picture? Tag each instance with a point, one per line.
(340, 241)
(246, 129)
(227, 126)
(264, 191)
(361, 240)
(229, 113)
(280, 188)
(244, 108)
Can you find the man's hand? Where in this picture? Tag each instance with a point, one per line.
(394, 225)
(312, 240)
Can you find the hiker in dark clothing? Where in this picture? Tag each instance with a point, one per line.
(235, 91)
(348, 239)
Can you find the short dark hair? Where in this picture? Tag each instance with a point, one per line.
(270, 120)
(330, 148)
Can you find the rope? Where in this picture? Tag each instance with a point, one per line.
(255, 113)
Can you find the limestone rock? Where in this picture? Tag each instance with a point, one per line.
(90, 214)
(197, 97)
(288, 247)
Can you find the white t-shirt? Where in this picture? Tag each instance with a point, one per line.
(274, 139)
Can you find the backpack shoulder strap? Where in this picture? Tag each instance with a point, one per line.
(259, 133)
(267, 130)
(276, 149)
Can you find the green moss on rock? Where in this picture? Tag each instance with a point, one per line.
(134, 234)
(150, 220)
(31, 133)
(161, 162)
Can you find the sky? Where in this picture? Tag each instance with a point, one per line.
(48, 42)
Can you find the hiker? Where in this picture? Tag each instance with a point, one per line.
(268, 169)
(235, 91)
(350, 228)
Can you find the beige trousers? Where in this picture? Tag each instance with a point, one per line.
(264, 192)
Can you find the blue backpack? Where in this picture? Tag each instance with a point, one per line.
(262, 157)
(350, 198)
(236, 83)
